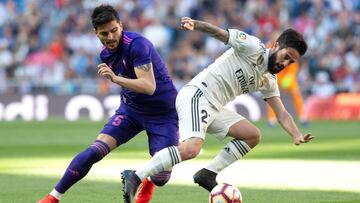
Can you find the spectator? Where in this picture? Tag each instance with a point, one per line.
(322, 86)
(27, 27)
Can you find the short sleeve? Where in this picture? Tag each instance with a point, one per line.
(140, 51)
(269, 86)
(243, 42)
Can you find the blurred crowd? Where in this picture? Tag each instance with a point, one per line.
(48, 46)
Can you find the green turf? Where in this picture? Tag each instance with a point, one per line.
(56, 138)
(61, 139)
(24, 189)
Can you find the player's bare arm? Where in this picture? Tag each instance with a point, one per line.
(144, 83)
(146, 78)
(287, 122)
(215, 31)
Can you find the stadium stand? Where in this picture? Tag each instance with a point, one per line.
(49, 46)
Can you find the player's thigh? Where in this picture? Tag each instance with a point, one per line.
(122, 126)
(162, 131)
(195, 113)
(225, 118)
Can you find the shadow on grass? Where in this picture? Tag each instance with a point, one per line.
(24, 189)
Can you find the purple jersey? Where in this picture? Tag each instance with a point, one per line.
(135, 50)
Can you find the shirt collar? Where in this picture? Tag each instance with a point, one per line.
(266, 61)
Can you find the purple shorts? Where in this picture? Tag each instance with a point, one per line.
(161, 129)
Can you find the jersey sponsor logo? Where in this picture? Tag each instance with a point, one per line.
(251, 80)
(242, 36)
(242, 80)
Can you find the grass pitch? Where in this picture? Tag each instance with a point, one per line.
(23, 144)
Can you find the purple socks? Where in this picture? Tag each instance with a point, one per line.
(81, 165)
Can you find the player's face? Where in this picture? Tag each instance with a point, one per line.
(281, 58)
(110, 34)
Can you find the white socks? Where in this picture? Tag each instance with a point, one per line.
(161, 161)
(168, 157)
(56, 194)
(232, 152)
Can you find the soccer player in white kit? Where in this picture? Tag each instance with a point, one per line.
(248, 66)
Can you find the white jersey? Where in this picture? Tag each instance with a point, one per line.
(240, 70)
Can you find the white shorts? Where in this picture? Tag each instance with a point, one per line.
(197, 116)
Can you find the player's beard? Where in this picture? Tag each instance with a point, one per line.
(114, 47)
(273, 67)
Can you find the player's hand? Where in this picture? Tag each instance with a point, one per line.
(303, 139)
(187, 23)
(105, 70)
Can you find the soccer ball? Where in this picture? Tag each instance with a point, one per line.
(225, 193)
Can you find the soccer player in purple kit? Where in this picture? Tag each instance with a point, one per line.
(147, 101)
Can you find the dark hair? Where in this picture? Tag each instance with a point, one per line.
(292, 38)
(104, 14)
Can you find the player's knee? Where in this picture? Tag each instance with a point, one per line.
(189, 150)
(160, 179)
(255, 138)
(192, 153)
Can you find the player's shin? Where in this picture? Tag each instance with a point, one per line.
(232, 152)
(81, 165)
(161, 161)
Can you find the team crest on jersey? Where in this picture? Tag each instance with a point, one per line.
(260, 60)
(242, 36)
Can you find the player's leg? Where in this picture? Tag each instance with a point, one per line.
(146, 189)
(80, 166)
(162, 131)
(162, 161)
(129, 124)
(113, 135)
(246, 137)
(195, 114)
(193, 120)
